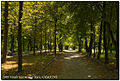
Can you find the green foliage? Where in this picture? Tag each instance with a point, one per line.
(73, 22)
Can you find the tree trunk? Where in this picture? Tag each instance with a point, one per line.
(41, 40)
(50, 41)
(13, 44)
(23, 44)
(55, 37)
(5, 48)
(105, 43)
(12, 41)
(111, 48)
(48, 45)
(45, 37)
(94, 44)
(86, 46)
(34, 46)
(30, 42)
(91, 41)
(19, 38)
(2, 41)
(28, 45)
(117, 36)
(60, 44)
(34, 36)
(100, 38)
(104, 35)
(80, 45)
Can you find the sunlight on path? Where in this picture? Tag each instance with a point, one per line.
(9, 56)
(70, 57)
(74, 66)
(69, 50)
(12, 64)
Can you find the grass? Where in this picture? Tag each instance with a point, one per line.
(31, 65)
(111, 58)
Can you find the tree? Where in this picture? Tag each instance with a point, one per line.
(19, 37)
(55, 37)
(117, 35)
(104, 34)
(100, 38)
(5, 33)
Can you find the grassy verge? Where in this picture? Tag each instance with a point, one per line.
(31, 65)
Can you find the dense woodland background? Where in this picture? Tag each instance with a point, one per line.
(88, 27)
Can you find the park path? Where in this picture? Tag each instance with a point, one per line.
(76, 66)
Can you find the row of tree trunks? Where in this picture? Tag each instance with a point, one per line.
(107, 40)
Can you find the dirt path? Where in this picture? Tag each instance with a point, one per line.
(76, 66)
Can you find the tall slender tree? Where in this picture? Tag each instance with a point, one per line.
(104, 34)
(5, 33)
(117, 35)
(100, 39)
(19, 37)
(55, 37)
(91, 40)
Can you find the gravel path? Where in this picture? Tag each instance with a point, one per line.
(76, 66)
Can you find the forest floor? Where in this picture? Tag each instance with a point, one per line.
(67, 65)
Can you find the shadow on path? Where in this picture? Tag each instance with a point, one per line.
(76, 66)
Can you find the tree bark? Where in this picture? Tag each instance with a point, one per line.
(50, 41)
(117, 36)
(41, 42)
(60, 44)
(86, 46)
(45, 36)
(30, 42)
(34, 36)
(28, 45)
(12, 41)
(19, 38)
(2, 41)
(94, 44)
(5, 48)
(48, 45)
(80, 45)
(100, 38)
(23, 43)
(91, 40)
(55, 37)
(104, 35)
